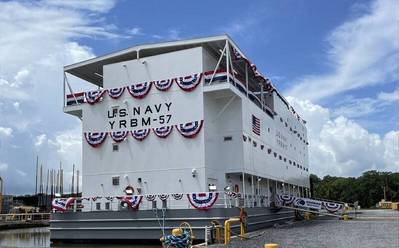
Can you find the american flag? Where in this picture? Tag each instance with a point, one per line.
(255, 125)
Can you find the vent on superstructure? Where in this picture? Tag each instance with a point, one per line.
(227, 138)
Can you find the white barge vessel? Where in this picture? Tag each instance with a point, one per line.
(179, 131)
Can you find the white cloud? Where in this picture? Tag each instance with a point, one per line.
(37, 40)
(5, 132)
(359, 107)
(40, 140)
(389, 96)
(134, 31)
(16, 105)
(3, 167)
(68, 145)
(21, 173)
(340, 146)
(363, 52)
(91, 5)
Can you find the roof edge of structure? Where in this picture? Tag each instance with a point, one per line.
(137, 48)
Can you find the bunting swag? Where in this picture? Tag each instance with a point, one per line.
(286, 199)
(119, 136)
(232, 194)
(141, 134)
(177, 196)
(115, 93)
(190, 129)
(95, 139)
(93, 97)
(139, 91)
(163, 132)
(150, 197)
(220, 76)
(163, 197)
(164, 85)
(61, 204)
(332, 206)
(189, 83)
(202, 201)
(132, 202)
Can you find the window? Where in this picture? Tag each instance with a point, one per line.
(290, 161)
(227, 138)
(107, 205)
(255, 144)
(279, 157)
(275, 154)
(115, 147)
(285, 160)
(262, 147)
(294, 163)
(98, 206)
(115, 181)
(269, 150)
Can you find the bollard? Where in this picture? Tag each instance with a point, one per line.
(271, 246)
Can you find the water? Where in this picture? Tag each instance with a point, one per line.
(40, 237)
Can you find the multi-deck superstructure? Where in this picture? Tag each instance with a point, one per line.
(181, 126)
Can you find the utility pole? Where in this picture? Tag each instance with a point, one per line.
(41, 180)
(77, 182)
(37, 168)
(73, 178)
(61, 179)
(47, 182)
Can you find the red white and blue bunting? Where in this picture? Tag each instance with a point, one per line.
(62, 204)
(132, 202)
(203, 200)
(164, 85)
(177, 196)
(332, 206)
(119, 136)
(301, 202)
(218, 76)
(141, 134)
(163, 197)
(95, 139)
(232, 194)
(94, 96)
(189, 83)
(140, 90)
(286, 199)
(187, 130)
(115, 93)
(150, 197)
(190, 129)
(163, 132)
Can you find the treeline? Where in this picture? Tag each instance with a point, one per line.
(367, 189)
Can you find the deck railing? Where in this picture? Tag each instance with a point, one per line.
(116, 203)
(24, 217)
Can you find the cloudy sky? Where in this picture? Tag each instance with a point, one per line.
(336, 61)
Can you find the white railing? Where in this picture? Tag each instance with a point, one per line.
(224, 200)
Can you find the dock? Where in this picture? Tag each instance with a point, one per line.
(14, 221)
(371, 228)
